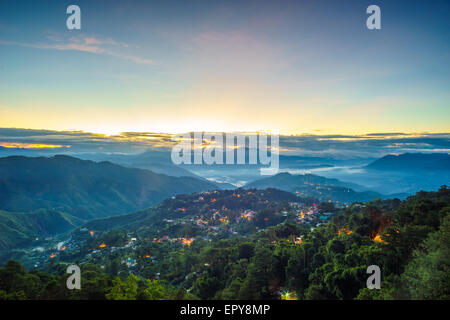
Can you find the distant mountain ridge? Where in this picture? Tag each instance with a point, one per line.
(315, 186)
(286, 178)
(156, 161)
(83, 188)
(412, 161)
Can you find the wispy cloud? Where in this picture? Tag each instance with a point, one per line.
(88, 44)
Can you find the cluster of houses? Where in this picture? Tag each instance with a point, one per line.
(310, 214)
(219, 218)
(182, 241)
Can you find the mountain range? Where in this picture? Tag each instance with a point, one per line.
(85, 189)
(321, 188)
(412, 162)
(44, 196)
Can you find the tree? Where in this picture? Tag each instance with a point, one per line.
(260, 275)
(11, 276)
(154, 291)
(206, 287)
(428, 274)
(245, 250)
(327, 207)
(232, 291)
(123, 290)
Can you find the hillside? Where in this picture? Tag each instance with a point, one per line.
(412, 162)
(156, 161)
(290, 260)
(85, 189)
(290, 180)
(204, 206)
(318, 187)
(18, 229)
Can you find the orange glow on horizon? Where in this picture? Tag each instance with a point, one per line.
(23, 145)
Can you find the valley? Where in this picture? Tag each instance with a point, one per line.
(274, 238)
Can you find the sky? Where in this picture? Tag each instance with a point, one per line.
(300, 67)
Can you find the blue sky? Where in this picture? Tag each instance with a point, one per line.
(174, 66)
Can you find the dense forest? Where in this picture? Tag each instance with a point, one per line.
(409, 240)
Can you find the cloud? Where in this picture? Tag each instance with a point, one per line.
(365, 146)
(88, 44)
(330, 146)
